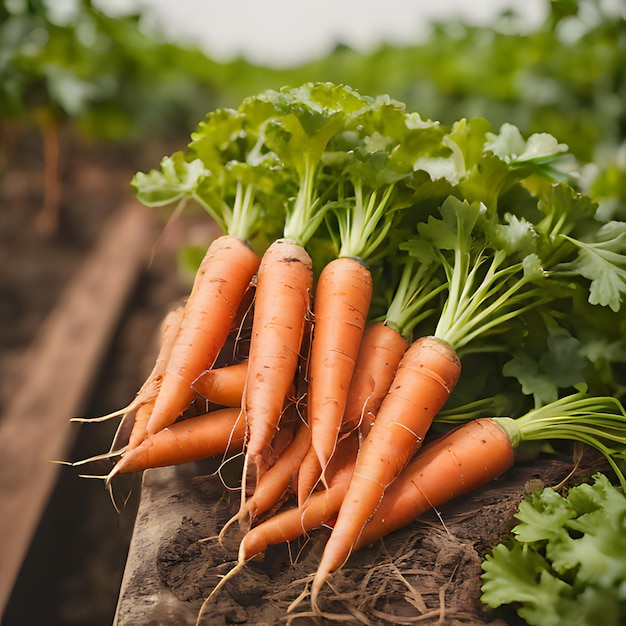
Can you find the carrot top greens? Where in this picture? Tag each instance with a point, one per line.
(476, 235)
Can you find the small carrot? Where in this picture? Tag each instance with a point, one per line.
(284, 284)
(341, 305)
(296, 521)
(276, 481)
(423, 382)
(381, 349)
(192, 439)
(220, 285)
(222, 386)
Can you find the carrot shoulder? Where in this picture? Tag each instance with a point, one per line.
(460, 461)
(423, 382)
(341, 305)
(284, 284)
(219, 287)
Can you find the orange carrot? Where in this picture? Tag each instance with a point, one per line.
(341, 304)
(379, 355)
(320, 508)
(220, 285)
(382, 347)
(309, 474)
(442, 470)
(425, 377)
(284, 284)
(192, 439)
(276, 481)
(222, 385)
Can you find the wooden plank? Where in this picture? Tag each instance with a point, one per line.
(59, 370)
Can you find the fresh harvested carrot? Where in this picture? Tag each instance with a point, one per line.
(193, 439)
(382, 347)
(276, 481)
(220, 285)
(482, 449)
(320, 508)
(309, 474)
(426, 375)
(222, 385)
(341, 305)
(284, 284)
(456, 463)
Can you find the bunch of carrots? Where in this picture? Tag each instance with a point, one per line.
(368, 255)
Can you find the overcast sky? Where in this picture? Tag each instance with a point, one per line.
(287, 32)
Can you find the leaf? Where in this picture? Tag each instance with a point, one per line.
(509, 145)
(561, 365)
(603, 261)
(175, 180)
(519, 574)
(565, 562)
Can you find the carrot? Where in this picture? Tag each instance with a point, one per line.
(275, 482)
(481, 450)
(222, 386)
(424, 379)
(461, 461)
(284, 283)
(292, 523)
(320, 508)
(192, 439)
(220, 285)
(382, 347)
(341, 304)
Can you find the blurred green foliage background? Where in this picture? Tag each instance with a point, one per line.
(112, 80)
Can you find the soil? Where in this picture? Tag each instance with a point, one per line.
(428, 573)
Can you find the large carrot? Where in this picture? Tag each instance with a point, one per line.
(341, 305)
(200, 437)
(481, 450)
(284, 284)
(221, 282)
(459, 462)
(222, 386)
(423, 382)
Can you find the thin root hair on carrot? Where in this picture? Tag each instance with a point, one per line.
(230, 574)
